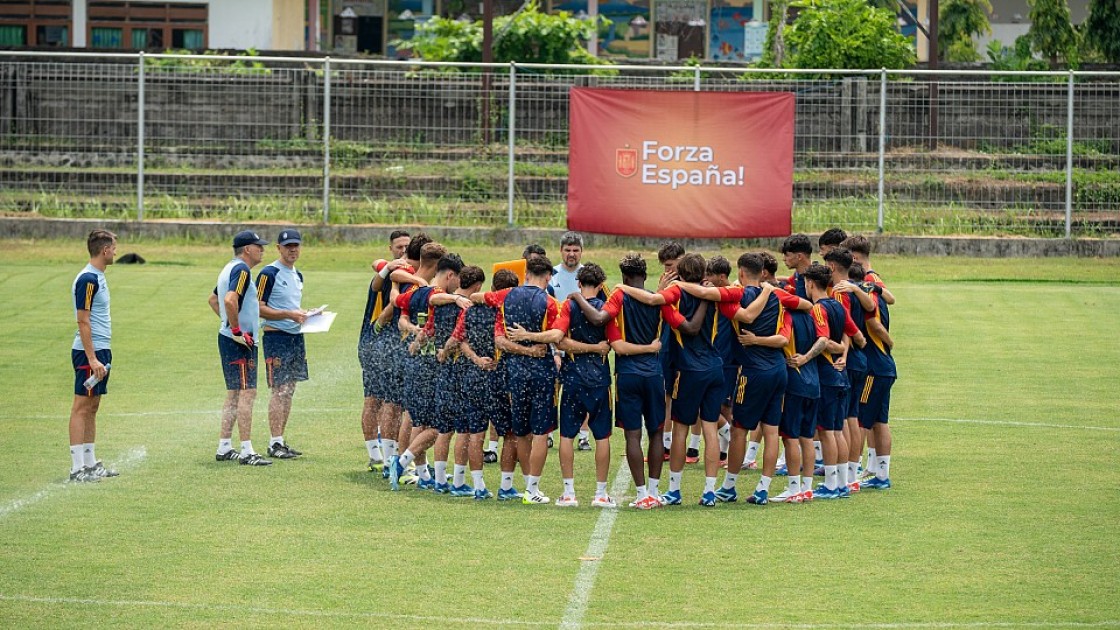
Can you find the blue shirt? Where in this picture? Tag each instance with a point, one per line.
(281, 287)
(879, 359)
(585, 369)
(534, 310)
(235, 277)
(756, 359)
(563, 282)
(835, 316)
(805, 380)
(91, 293)
(697, 352)
(635, 323)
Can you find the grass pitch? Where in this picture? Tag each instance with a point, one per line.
(1004, 512)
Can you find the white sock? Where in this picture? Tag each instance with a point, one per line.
(493, 446)
(247, 448)
(570, 487)
(390, 448)
(763, 484)
(694, 441)
(441, 473)
(225, 446)
(507, 481)
(667, 440)
(806, 484)
(794, 484)
(652, 483)
(583, 435)
(642, 492)
(883, 467)
(725, 431)
(674, 481)
(532, 485)
(729, 480)
(423, 473)
(870, 460)
(407, 458)
(853, 471)
(709, 484)
(724, 440)
(831, 477)
(372, 450)
(479, 482)
(781, 460)
(87, 455)
(752, 452)
(460, 478)
(77, 462)
(272, 441)
(817, 450)
(600, 488)
(841, 475)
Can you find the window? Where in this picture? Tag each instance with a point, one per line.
(102, 37)
(139, 38)
(13, 35)
(187, 38)
(54, 36)
(151, 25)
(41, 23)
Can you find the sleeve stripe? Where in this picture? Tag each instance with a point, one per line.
(263, 279)
(89, 296)
(241, 283)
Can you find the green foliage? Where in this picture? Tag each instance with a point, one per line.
(1018, 58)
(1102, 29)
(959, 21)
(528, 36)
(208, 61)
(846, 34)
(1051, 33)
(773, 53)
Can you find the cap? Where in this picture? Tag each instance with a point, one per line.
(248, 237)
(287, 237)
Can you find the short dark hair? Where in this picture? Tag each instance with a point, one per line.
(858, 243)
(591, 275)
(818, 274)
(671, 250)
(431, 252)
(718, 266)
(856, 272)
(450, 262)
(395, 234)
(503, 279)
(691, 268)
(539, 266)
(415, 245)
(842, 257)
(769, 263)
(797, 244)
(632, 265)
(99, 240)
(751, 263)
(471, 275)
(571, 238)
(533, 248)
(832, 236)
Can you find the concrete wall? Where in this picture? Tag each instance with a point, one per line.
(79, 229)
(288, 24)
(241, 24)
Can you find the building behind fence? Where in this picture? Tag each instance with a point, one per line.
(346, 141)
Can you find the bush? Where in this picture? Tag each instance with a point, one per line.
(846, 34)
(958, 21)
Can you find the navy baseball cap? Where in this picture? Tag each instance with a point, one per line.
(287, 237)
(248, 237)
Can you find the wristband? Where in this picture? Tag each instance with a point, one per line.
(385, 271)
(236, 330)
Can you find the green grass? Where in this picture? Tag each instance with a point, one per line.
(987, 524)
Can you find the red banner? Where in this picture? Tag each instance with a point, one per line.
(680, 164)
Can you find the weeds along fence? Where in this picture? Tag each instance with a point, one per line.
(363, 141)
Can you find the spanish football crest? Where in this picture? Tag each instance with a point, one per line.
(626, 161)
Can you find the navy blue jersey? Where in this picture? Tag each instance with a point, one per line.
(796, 285)
(857, 358)
(534, 310)
(639, 324)
(442, 323)
(754, 359)
(476, 327)
(585, 369)
(415, 301)
(879, 359)
(803, 381)
(835, 317)
(725, 340)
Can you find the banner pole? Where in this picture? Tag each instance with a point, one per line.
(696, 79)
(512, 130)
(882, 141)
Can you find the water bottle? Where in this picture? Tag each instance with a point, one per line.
(92, 381)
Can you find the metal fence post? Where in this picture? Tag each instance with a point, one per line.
(512, 130)
(1069, 158)
(882, 141)
(696, 79)
(326, 140)
(140, 141)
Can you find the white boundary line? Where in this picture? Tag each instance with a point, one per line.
(339, 614)
(596, 547)
(1011, 423)
(130, 459)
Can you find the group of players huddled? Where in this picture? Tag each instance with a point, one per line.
(742, 361)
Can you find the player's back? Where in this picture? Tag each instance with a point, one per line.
(698, 352)
(639, 324)
(768, 323)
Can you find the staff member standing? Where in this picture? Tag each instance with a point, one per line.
(280, 291)
(237, 346)
(91, 356)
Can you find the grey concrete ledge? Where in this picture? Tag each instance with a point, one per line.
(217, 232)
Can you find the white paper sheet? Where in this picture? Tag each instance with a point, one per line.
(320, 322)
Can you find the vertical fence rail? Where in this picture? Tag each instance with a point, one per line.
(140, 139)
(512, 148)
(882, 144)
(1069, 158)
(326, 140)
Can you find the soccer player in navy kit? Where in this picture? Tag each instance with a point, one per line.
(875, 395)
(234, 301)
(91, 355)
(668, 255)
(280, 293)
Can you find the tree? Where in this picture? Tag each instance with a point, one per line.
(1051, 32)
(1102, 28)
(958, 22)
(846, 34)
(774, 52)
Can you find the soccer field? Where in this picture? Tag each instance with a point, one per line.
(1004, 513)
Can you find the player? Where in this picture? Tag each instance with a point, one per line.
(875, 395)
(91, 356)
(830, 240)
(564, 283)
(860, 247)
(668, 255)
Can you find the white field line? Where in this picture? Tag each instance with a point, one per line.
(1012, 423)
(129, 460)
(341, 614)
(596, 547)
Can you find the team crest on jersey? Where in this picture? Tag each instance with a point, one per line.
(626, 161)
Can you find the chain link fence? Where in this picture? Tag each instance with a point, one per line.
(356, 141)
